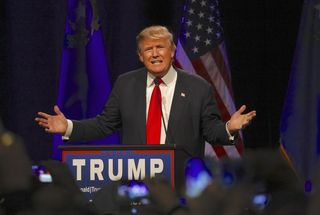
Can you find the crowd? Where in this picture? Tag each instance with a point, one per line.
(261, 182)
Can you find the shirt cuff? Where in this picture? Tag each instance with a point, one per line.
(231, 137)
(67, 135)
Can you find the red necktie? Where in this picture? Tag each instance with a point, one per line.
(154, 115)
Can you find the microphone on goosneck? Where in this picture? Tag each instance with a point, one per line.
(157, 82)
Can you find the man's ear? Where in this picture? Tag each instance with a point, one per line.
(140, 56)
(173, 52)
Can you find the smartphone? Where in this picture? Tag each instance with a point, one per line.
(260, 200)
(136, 192)
(197, 176)
(42, 174)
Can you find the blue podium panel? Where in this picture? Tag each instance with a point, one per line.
(93, 167)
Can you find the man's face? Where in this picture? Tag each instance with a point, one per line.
(156, 55)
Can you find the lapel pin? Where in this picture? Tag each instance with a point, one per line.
(183, 95)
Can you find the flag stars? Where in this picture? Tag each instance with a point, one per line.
(187, 34)
(191, 11)
(209, 30)
(193, 1)
(211, 19)
(207, 42)
(197, 38)
(201, 15)
(212, 7)
(195, 50)
(218, 34)
(199, 26)
(189, 23)
(203, 3)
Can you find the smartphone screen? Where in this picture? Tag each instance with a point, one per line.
(260, 200)
(42, 174)
(135, 192)
(198, 177)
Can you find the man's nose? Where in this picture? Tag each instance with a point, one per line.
(155, 52)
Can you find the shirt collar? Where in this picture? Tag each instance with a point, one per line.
(167, 79)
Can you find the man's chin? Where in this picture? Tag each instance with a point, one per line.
(158, 73)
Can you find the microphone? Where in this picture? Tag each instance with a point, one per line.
(157, 81)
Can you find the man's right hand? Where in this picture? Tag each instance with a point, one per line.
(53, 123)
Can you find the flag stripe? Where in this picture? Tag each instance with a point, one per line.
(223, 50)
(183, 59)
(209, 152)
(221, 66)
(218, 81)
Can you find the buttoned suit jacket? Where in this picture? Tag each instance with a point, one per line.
(194, 116)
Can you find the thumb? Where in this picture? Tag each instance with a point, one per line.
(57, 110)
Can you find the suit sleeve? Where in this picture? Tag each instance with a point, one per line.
(213, 128)
(103, 124)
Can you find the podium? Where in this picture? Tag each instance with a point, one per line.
(94, 166)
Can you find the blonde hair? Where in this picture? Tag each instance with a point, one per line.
(155, 32)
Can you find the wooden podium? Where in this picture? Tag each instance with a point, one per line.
(94, 166)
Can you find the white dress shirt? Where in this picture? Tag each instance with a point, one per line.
(167, 91)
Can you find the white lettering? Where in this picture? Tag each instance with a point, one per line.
(96, 168)
(139, 172)
(111, 173)
(78, 163)
(156, 166)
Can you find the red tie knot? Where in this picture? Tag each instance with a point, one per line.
(158, 81)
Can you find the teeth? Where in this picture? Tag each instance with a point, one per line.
(156, 61)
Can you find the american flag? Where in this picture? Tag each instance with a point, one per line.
(201, 51)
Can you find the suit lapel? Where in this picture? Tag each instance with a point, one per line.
(179, 101)
(141, 105)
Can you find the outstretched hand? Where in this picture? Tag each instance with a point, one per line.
(53, 123)
(240, 120)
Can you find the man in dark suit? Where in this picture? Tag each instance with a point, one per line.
(189, 112)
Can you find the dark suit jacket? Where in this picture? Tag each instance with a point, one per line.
(194, 116)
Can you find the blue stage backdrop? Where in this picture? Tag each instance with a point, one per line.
(300, 124)
(84, 80)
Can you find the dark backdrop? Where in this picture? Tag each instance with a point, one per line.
(260, 38)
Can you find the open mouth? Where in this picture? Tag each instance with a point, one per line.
(155, 62)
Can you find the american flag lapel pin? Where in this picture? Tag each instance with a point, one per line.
(183, 94)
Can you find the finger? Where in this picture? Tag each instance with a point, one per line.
(43, 120)
(251, 115)
(57, 110)
(47, 130)
(242, 109)
(44, 115)
(44, 125)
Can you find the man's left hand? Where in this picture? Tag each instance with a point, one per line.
(239, 120)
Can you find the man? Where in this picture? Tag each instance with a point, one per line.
(188, 115)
